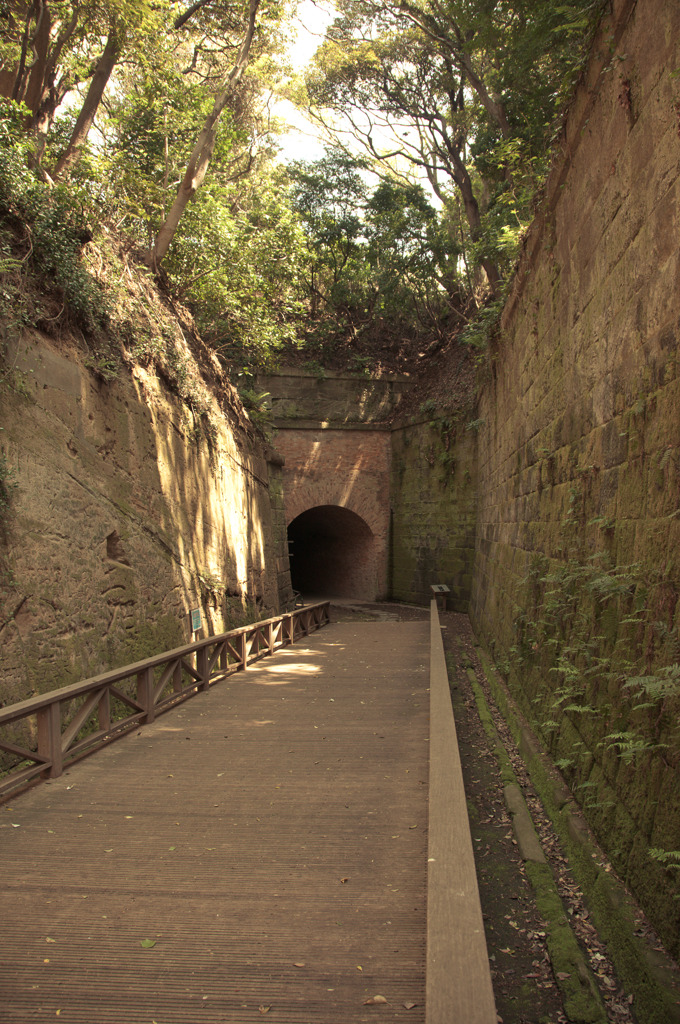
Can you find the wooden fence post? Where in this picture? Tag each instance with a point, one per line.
(145, 693)
(49, 738)
(202, 668)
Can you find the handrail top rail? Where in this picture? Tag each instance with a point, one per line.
(42, 700)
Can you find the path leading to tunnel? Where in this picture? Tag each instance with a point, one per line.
(269, 837)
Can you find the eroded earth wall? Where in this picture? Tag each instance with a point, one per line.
(577, 569)
(126, 512)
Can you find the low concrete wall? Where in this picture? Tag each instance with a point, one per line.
(333, 398)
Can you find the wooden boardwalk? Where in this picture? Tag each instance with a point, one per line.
(268, 836)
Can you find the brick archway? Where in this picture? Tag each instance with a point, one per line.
(348, 470)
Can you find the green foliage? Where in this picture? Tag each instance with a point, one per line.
(592, 626)
(669, 858)
(465, 93)
(258, 406)
(377, 262)
(243, 279)
(51, 220)
(484, 326)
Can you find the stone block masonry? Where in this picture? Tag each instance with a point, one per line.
(434, 499)
(577, 570)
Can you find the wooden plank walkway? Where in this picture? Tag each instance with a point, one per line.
(269, 836)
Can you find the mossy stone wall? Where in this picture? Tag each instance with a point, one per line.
(577, 570)
(433, 495)
(298, 395)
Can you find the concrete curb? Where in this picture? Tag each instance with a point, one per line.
(458, 975)
(525, 833)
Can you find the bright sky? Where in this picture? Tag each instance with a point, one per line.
(302, 143)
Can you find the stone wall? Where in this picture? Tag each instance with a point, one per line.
(433, 494)
(125, 513)
(334, 398)
(577, 569)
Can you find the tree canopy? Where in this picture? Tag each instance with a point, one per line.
(153, 123)
(465, 94)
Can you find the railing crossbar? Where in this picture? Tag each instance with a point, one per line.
(125, 698)
(232, 650)
(80, 717)
(190, 669)
(164, 680)
(215, 656)
(22, 752)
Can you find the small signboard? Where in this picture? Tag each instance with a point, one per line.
(196, 623)
(439, 592)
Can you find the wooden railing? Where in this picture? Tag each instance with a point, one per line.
(43, 734)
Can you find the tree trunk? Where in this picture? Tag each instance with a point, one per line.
(203, 150)
(463, 181)
(29, 81)
(105, 65)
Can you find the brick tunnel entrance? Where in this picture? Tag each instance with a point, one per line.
(332, 554)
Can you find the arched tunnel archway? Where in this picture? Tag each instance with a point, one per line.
(332, 554)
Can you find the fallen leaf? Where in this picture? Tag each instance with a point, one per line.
(343, 881)
(359, 967)
(147, 943)
(48, 939)
(563, 975)
(299, 965)
(374, 1000)
(264, 1009)
(409, 1006)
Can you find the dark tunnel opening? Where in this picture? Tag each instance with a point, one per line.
(332, 554)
